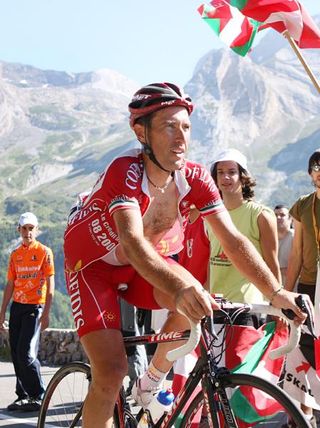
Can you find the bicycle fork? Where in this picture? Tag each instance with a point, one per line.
(216, 401)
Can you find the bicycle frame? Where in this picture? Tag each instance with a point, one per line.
(216, 381)
(207, 372)
(186, 393)
(212, 377)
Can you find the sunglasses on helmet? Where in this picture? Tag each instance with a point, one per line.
(315, 167)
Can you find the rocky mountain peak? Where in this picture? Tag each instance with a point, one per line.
(59, 129)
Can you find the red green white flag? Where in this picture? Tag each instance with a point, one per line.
(233, 28)
(250, 354)
(310, 34)
(282, 15)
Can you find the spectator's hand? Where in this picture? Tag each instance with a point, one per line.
(286, 300)
(195, 302)
(3, 323)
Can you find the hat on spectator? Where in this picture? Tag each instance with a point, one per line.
(28, 218)
(232, 155)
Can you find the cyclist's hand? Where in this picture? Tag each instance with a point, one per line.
(195, 302)
(286, 300)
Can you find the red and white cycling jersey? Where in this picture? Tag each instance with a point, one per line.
(91, 232)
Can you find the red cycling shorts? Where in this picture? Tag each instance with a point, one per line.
(95, 290)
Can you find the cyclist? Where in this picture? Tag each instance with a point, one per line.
(122, 238)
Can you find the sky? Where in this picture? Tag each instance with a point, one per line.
(145, 40)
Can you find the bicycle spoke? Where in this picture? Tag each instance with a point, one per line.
(66, 401)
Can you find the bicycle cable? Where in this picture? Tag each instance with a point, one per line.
(229, 321)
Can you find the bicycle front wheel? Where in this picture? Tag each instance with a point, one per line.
(64, 396)
(254, 402)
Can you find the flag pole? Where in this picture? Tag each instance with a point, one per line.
(302, 60)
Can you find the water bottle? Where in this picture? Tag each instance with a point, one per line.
(161, 403)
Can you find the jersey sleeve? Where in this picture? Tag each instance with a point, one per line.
(205, 193)
(124, 184)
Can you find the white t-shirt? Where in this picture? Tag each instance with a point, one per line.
(285, 245)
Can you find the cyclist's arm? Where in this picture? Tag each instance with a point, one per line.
(267, 224)
(151, 266)
(7, 294)
(295, 258)
(249, 262)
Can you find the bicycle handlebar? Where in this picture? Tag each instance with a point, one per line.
(294, 335)
(263, 308)
(194, 338)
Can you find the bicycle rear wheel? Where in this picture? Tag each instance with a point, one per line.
(64, 396)
(255, 402)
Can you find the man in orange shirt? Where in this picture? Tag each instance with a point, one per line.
(31, 287)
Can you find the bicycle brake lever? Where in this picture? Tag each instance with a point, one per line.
(212, 329)
(208, 322)
(304, 304)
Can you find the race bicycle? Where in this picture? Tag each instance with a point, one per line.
(63, 400)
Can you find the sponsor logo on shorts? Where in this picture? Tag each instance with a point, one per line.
(109, 316)
(75, 297)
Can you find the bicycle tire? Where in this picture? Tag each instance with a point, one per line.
(57, 410)
(234, 381)
(63, 399)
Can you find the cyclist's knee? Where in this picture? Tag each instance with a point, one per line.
(111, 370)
(107, 378)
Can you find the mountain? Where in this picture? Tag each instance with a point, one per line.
(59, 130)
(265, 105)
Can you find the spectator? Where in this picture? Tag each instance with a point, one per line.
(304, 385)
(31, 286)
(285, 237)
(254, 220)
(137, 356)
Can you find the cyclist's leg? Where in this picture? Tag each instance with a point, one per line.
(159, 365)
(106, 353)
(96, 313)
(174, 322)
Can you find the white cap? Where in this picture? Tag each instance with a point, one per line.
(232, 155)
(28, 218)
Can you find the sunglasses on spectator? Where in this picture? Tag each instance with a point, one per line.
(315, 168)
